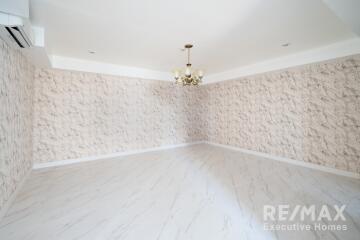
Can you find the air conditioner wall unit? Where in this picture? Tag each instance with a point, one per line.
(16, 31)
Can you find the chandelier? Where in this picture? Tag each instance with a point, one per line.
(188, 76)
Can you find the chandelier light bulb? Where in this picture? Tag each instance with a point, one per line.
(177, 74)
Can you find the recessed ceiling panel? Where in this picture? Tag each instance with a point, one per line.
(149, 33)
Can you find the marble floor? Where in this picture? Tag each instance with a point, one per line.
(196, 192)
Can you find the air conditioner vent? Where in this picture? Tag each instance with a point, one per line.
(18, 36)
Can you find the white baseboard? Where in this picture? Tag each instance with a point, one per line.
(265, 155)
(111, 155)
(290, 161)
(12, 197)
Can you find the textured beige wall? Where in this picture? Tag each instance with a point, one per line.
(84, 114)
(309, 113)
(16, 107)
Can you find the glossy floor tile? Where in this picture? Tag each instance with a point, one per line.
(196, 192)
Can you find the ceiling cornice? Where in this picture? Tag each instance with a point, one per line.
(337, 50)
(340, 49)
(75, 64)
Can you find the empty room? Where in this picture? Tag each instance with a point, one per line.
(179, 120)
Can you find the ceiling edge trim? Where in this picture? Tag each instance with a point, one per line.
(66, 63)
(337, 50)
(340, 49)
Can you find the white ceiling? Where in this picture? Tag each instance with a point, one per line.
(149, 33)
